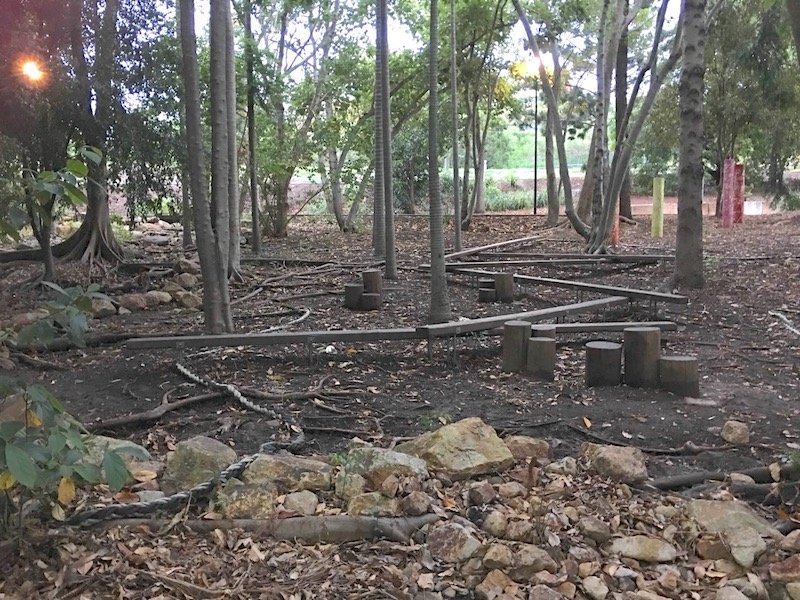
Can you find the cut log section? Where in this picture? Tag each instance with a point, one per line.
(370, 301)
(603, 363)
(486, 295)
(679, 375)
(541, 358)
(515, 345)
(373, 281)
(543, 330)
(352, 295)
(504, 287)
(486, 282)
(642, 351)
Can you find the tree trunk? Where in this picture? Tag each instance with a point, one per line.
(252, 140)
(379, 189)
(440, 304)
(454, 126)
(793, 7)
(584, 209)
(553, 204)
(186, 200)
(382, 32)
(689, 241)
(620, 107)
(234, 216)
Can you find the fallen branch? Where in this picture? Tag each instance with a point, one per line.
(38, 363)
(687, 449)
(255, 292)
(759, 474)
(154, 414)
(308, 295)
(787, 323)
(310, 530)
(770, 494)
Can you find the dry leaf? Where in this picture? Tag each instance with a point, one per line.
(126, 497)
(7, 481)
(425, 581)
(66, 490)
(775, 471)
(144, 475)
(587, 422)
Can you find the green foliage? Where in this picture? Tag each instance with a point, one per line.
(499, 200)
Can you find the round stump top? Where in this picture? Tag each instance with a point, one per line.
(643, 329)
(543, 340)
(679, 358)
(517, 324)
(600, 345)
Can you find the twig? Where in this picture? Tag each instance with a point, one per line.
(787, 323)
(255, 292)
(38, 362)
(152, 415)
(300, 319)
(308, 295)
(689, 448)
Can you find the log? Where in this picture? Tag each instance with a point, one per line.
(603, 363)
(544, 330)
(373, 281)
(352, 295)
(642, 351)
(486, 282)
(486, 295)
(541, 358)
(370, 301)
(504, 287)
(515, 345)
(679, 375)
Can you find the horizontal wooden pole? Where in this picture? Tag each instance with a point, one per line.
(612, 258)
(477, 249)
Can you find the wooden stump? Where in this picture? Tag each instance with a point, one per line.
(486, 282)
(370, 301)
(543, 330)
(679, 375)
(642, 351)
(486, 294)
(541, 358)
(352, 295)
(504, 286)
(515, 345)
(373, 281)
(603, 363)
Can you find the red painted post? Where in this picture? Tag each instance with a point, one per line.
(728, 185)
(738, 196)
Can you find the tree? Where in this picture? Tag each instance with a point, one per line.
(793, 8)
(689, 242)
(252, 135)
(454, 125)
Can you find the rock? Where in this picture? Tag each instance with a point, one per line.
(184, 265)
(28, 318)
(735, 432)
(247, 500)
(512, 489)
(742, 479)
(529, 560)
(793, 589)
(582, 554)
(373, 504)
(792, 541)
(157, 297)
(123, 311)
(494, 585)
(172, 288)
(543, 592)
(103, 307)
(452, 543)
(495, 524)
(617, 462)
(712, 548)
(520, 531)
(481, 492)
(150, 495)
(786, 571)
(568, 589)
(415, 504)
(289, 473)
(194, 461)
(645, 548)
(143, 470)
(189, 300)
(133, 302)
(716, 516)
(128, 451)
(595, 588)
(498, 556)
(376, 464)
(595, 529)
(348, 485)
(156, 240)
(563, 466)
(523, 447)
(303, 502)
(587, 568)
(729, 593)
(745, 545)
(461, 450)
(186, 280)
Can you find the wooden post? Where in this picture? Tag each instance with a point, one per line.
(541, 359)
(504, 286)
(486, 282)
(657, 217)
(545, 330)
(679, 375)
(728, 188)
(515, 345)
(738, 194)
(352, 295)
(642, 351)
(373, 282)
(486, 294)
(603, 363)
(370, 301)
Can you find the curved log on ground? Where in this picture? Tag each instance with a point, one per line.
(759, 475)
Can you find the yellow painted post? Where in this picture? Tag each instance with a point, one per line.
(657, 218)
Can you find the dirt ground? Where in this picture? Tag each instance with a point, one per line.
(749, 359)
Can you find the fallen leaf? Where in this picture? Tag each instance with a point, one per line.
(587, 422)
(66, 490)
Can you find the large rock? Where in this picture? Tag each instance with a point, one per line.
(373, 504)
(452, 543)
(717, 516)
(289, 473)
(194, 461)
(786, 571)
(184, 265)
(594, 528)
(528, 561)
(620, 463)
(103, 307)
(793, 589)
(247, 501)
(735, 432)
(643, 547)
(133, 302)
(523, 446)
(303, 502)
(376, 464)
(186, 280)
(461, 450)
(157, 297)
(595, 587)
(745, 545)
(130, 452)
(189, 300)
(498, 556)
(348, 485)
(729, 593)
(172, 288)
(496, 585)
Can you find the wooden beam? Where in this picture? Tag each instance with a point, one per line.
(613, 258)
(477, 249)
(536, 262)
(469, 325)
(279, 338)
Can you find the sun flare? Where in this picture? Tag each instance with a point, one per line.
(32, 70)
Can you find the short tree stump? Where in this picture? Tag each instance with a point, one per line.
(541, 358)
(603, 363)
(642, 351)
(515, 345)
(679, 375)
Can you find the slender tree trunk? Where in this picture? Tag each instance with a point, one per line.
(553, 204)
(186, 199)
(440, 304)
(620, 108)
(379, 188)
(689, 241)
(234, 214)
(386, 138)
(793, 7)
(252, 135)
(454, 125)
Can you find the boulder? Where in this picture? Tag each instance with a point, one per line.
(496, 585)
(745, 545)
(563, 466)
(189, 300)
(644, 548)
(130, 452)
(620, 463)
(717, 516)
(289, 473)
(373, 504)
(415, 504)
(186, 280)
(376, 464)
(103, 307)
(184, 265)
(786, 571)
(498, 556)
(595, 529)
(735, 432)
(528, 561)
(303, 502)
(461, 450)
(348, 485)
(793, 589)
(247, 500)
(172, 288)
(157, 297)
(133, 302)
(523, 447)
(595, 587)
(452, 543)
(195, 461)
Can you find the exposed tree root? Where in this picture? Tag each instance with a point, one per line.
(687, 449)
(310, 530)
(759, 474)
(37, 363)
(152, 415)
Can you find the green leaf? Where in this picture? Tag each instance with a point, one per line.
(92, 154)
(9, 429)
(74, 194)
(21, 466)
(83, 303)
(134, 451)
(88, 472)
(56, 442)
(46, 176)
(77, 167)
(41, 331)
(115, 471)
